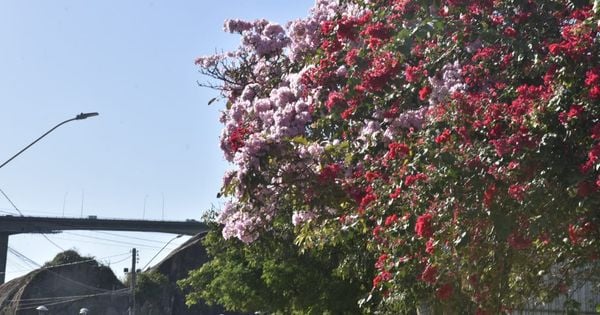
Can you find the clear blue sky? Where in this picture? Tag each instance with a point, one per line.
(131, 61)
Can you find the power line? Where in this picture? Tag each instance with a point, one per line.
(21, 213)
(66, 297)
(131, 237)
(68, 264)
(6, 196)
(111, 240)
(53, 243)
(28, 260)
(119, 261)
(115, 244)
(34, 304)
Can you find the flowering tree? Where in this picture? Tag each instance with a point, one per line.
(460, 138)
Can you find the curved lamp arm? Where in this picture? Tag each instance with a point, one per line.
(78, 117)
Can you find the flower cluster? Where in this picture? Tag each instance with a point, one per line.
(460, 139)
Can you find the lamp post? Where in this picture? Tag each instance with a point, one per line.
(42, 310)
(84, 311)
(4, 236)
(78, 117)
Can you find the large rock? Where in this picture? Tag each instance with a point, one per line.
(64, 290)
(176, 266)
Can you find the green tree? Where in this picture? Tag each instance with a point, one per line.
(272, 275)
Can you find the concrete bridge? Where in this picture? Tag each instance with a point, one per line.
(26, 224)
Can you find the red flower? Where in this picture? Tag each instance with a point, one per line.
(396, 149)
(595, 132)
(371, 176)
(381, 277)
(423, 226)
(378, 30)
(424, 92)
(327, 27)
(412, 73)
(383, 68)
(518, 241)
(575, 111)
(391, 219)
(429, 274)
(578, 233)
(380, 264)
(595, 92)
(585, 188)
(555, 49)
(236, 139)
(347, 29)
(334, 100)
(377, 230)
(411, 179)
(488, 195)
(497, 19)
(366, 200)
(592, 77)
(351, 57)
(510, 32)
(443, 137)
(444, 292)
(517, 192)
(429, 246)
(396, 193)
(329, 172)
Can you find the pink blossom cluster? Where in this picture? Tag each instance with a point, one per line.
(305, 34)
(300, 217)
(446, 83)
(238, 224)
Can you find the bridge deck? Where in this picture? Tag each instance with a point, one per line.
(28, 224)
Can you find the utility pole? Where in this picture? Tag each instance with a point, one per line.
(133, 276)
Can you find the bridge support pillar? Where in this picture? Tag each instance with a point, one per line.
(3, 252)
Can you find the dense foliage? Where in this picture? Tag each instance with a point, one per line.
(70, 256)
(272, 276)
(460, 139)
(153, 290)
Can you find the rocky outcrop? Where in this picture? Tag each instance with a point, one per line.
(64, 290)
(75, 282)
(176, 266)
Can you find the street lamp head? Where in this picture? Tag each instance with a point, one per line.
(85, 115)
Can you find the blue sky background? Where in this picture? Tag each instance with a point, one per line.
(131, 61)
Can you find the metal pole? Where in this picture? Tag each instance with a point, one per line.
(78, 117)
(3, 253)
(133, 276)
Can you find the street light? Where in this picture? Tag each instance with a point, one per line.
(42, 310)
(83, 311)
(78, 117)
